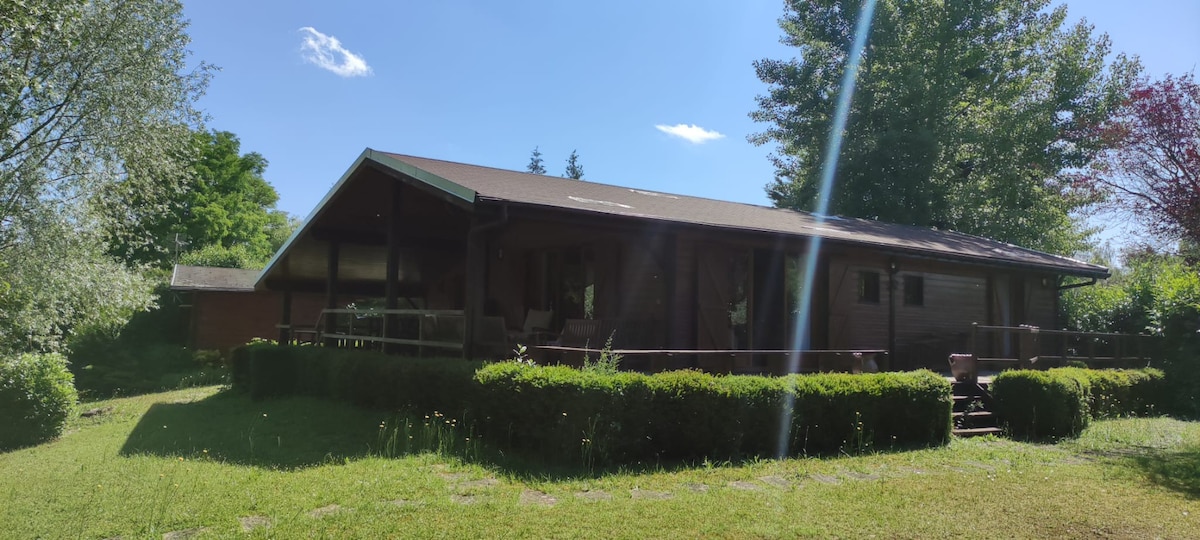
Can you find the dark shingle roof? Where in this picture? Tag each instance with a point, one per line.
(490, 184)
(208, 278)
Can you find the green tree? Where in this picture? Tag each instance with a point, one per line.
(93, 93)
(574, 169)
(225, 214)
(969, 115)
(535, 162)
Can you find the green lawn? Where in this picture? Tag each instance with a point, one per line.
(194, 459)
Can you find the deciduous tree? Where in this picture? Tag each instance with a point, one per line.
(92, 93)
(1152, 172)
(967, 116)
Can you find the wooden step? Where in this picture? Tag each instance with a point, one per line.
(977, 432)
(973, 414)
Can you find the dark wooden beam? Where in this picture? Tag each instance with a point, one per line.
(893, 270)
(391, 286)
(367, 237)
(285, 321)
(331, 288)
(476, 285)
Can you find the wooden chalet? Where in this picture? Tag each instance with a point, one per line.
(442, 255)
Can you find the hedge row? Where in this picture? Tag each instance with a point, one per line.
(367, 379)
(561, 414)
(37, 394)
(1061, 402)
(630, 417)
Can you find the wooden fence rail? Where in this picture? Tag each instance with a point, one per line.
(1026, 346)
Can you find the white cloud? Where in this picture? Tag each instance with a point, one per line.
(327, 53)
(691, 133)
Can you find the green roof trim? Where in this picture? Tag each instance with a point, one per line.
(431, 179)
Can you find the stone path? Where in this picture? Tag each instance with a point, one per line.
(249, 523)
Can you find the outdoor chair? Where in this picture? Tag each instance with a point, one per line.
(536, 330)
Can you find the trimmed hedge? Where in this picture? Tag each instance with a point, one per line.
(567, 415)
(556, 412)
(367, 379)
(1061, 402)
(37, 395)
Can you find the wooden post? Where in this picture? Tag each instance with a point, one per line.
(391, 323)
(285, 320)
(476, 277)
(1027, 347)
(892, 271)
(331, 292)
(973, 339)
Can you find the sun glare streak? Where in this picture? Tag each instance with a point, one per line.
(800, 340)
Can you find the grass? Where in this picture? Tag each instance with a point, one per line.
(203, 458)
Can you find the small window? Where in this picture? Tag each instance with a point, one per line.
(914, 290)
(868, 287)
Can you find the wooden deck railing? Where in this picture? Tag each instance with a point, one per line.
(1025, 346)
(364, 329)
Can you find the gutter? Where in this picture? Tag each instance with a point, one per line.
(1077, 285)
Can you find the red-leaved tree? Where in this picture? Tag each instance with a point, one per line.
(1152, 171)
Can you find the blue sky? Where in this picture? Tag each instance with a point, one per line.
(485, 82)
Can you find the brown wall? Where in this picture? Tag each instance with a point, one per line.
(223, 320)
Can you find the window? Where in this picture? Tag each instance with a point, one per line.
(914, 290)
(868, 287)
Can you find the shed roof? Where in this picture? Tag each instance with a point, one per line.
(208, 278)
(475, 184)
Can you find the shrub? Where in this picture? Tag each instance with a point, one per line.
(1040, 404)
(558, 412)
(37, 394)
(1061, 402)
(368, 379)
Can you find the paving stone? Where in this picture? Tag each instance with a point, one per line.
(464, 499)
(325, 511)
(745, 486)
(533, 497)
(776, 481)
(696, 488)
(825, 479)
(405, 503)
(481, 483)
(185, 534)
(647, 495)
(452, 477)
(979, 465)
(855, 475)
(249, 523)
(594, 495)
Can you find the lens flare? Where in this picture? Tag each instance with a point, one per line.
(828, 168)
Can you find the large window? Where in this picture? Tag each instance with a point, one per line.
(868, 287)
(914, 290)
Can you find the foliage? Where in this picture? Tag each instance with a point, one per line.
(36, 398)
(61, 284)
(237, 256)
(226, 216)
(1061, 402)
(367, 379)
(608, 363)
(557, 412)
(93, 94)
(574, 169)
(1153, 170)
(535, 162)
(967, 115)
